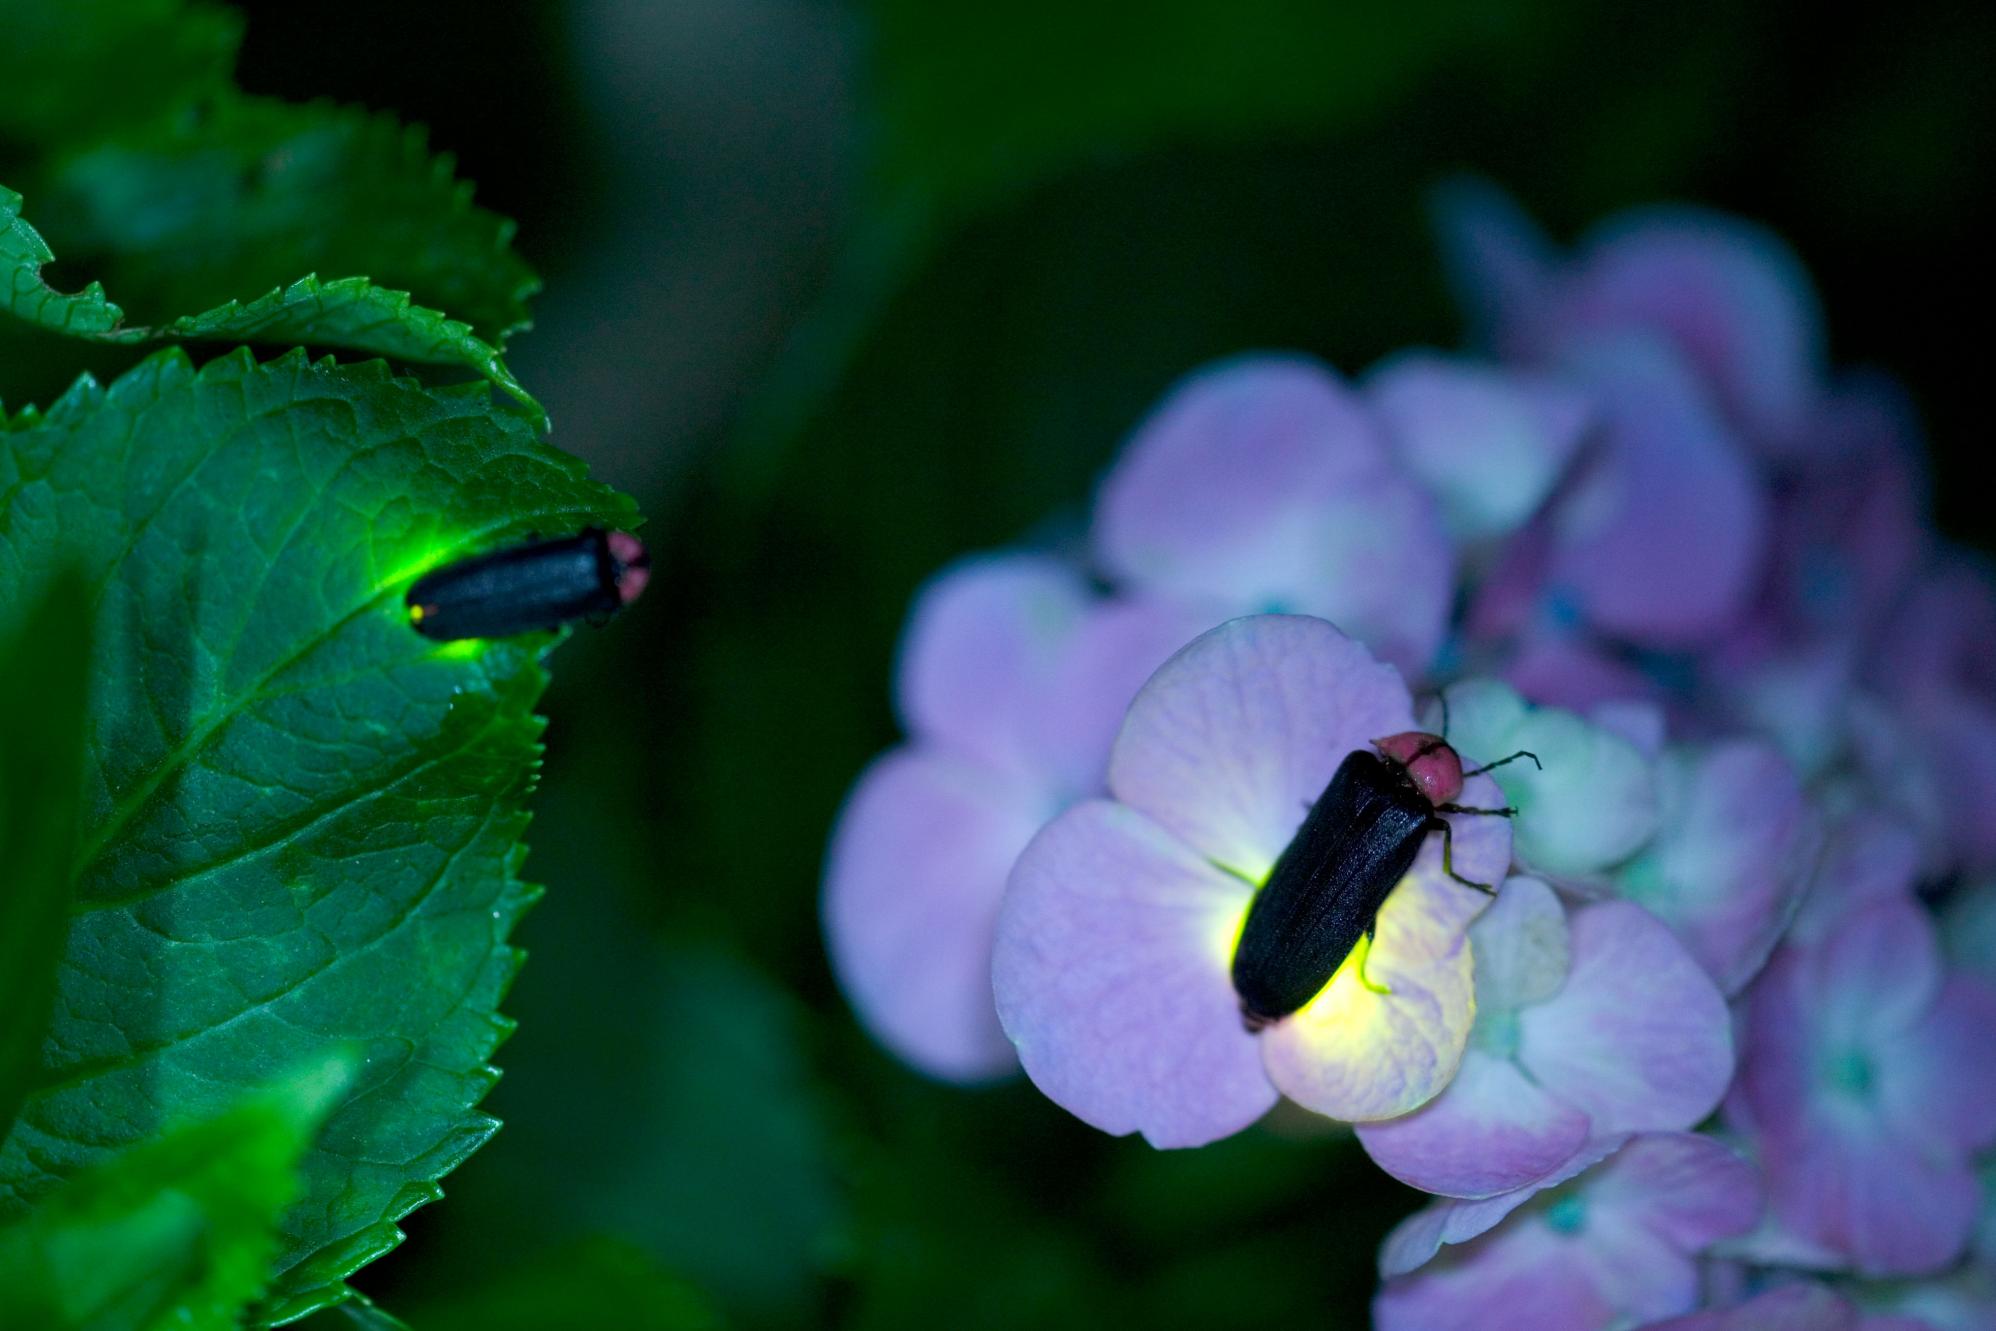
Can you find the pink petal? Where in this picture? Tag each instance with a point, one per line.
(1491, 1131)
(1262, 483)
(1111, 977)
(1637, 1038)
(1233, 738)
(1730, 295)
(917, 864)
(1489, 444)
(1670, 477)
(1729, 861)
(984, 642)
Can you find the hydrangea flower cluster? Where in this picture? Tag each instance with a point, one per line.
(1716, 1052)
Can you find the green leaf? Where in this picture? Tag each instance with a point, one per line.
(344, 312)
(187, 212)
(72, 71)
(302, 820)
(596, 1281)
(43, 666)
(358, 1313)
(173, 1232)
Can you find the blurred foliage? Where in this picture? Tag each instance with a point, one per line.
(177, 1231)
(596, 1281)
(44, 659)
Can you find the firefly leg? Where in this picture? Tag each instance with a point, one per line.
(1365, 956)
(1505, 812)
(1521, 753)
(1448, 851)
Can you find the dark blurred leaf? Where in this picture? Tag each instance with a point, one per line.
(972, 108)
(175, 1232)
(595, 1282)
(74, 70)
(973, 104)
(346, 312)
(657, 1093)
(184, 214)
(302, 820)
(44, 664)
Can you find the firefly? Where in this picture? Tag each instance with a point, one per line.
(539, 585)
(1358, 841)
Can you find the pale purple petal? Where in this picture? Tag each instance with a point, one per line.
(1491, 1131)
(1732, 298)
(1529, 1281)
(1845, 544)
(1613, 1247)
(984, 641)
(1593, 803)
(1777, 1052)
(1952, 734)
(1237, 735)
(1643, 724)
(1637, 1038)
(1805, 1306)
(1891, 1207)
(1503, 269)
(1669, 478)
(1798, 695)
(916, 868)
(1415, 1240)
(1111, 977)
(1943, 634)
(1939, 1078)
(1856, 1163)
(1731, 855)
(1489, 445)
(1522, 947)
(1118, 645)
(1686, 1189)
(1876, 974)
(1263, 484)
(1870, 857)
(1562, 669)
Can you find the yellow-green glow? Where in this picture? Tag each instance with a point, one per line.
(463, 649)
(434, 554)
(1227, 930)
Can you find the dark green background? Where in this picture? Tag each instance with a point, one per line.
(841, 292)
